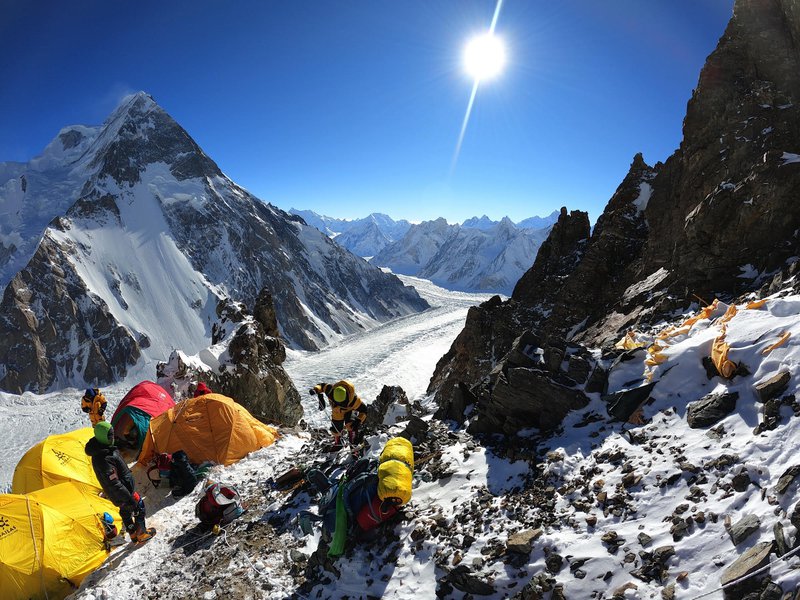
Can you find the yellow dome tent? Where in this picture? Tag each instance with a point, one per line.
(50, 540)
(210, 427)
(56, 459)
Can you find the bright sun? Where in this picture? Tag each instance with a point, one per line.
(484, 56)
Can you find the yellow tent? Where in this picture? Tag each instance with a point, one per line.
(50, 540)
(210, 427)
(56, 459)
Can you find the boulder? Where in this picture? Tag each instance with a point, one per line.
(389, 407)
(522, 398)
(744, 528)
(772, 387)
(711, 409)
(750, 561)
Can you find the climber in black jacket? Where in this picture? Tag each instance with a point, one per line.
(117, 482)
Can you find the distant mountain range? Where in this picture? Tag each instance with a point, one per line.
(480, 255)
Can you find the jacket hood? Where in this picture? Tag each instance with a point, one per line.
(95, 448)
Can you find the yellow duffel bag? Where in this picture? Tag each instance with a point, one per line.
(396, 470)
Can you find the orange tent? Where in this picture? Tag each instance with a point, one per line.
(210, 427)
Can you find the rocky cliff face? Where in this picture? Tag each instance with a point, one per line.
(718, 218)
(244, 362)
(143, 237)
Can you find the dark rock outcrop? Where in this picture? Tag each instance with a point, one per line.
(492, 327)
(391, 398)
(711, 409)
(685, 228)
(252, 374)
(50, 311)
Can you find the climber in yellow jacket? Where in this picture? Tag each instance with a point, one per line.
(94, 403)
(348, 410)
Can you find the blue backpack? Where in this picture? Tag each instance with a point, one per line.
(360, 488)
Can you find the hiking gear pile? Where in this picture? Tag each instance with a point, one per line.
(367, 495)
(176, 469)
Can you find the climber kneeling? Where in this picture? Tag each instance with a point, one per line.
(348, 410)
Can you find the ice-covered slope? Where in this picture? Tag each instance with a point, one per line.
(593, 510)
(364, 239)
(146, 236)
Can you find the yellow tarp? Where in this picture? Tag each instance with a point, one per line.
(629, 342)
(210, 427)
(50, 540)
(784, 337)
(56, 459)
(396, 470)
(755, 304)
(719, 355)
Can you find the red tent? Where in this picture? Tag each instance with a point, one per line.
(132, 417)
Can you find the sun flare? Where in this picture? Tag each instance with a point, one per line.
(484, 57)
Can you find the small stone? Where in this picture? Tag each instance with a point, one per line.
(662, 553)
(620, 591)
(609, 537)
(522, 542)
(591, 520)
(781, 547)
(741, 481)
(710, 409)
(644, 539)
(554, 563)
(787, 478)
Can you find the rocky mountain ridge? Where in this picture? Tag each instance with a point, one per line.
(150, 226)
(717, 219)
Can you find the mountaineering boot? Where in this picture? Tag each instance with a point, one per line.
(141, 534)
(336, 445)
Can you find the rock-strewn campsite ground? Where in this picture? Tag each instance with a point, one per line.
(661, 509)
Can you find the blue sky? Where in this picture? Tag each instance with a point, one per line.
(353, 107)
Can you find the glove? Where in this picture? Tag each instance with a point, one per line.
(321, 400)
(312, 391)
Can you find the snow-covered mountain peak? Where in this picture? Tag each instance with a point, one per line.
(483, 223)
(147, 231)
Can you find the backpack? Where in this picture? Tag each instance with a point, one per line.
(360, 489)
(182, 477)
(219, 504)
(162, 463)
